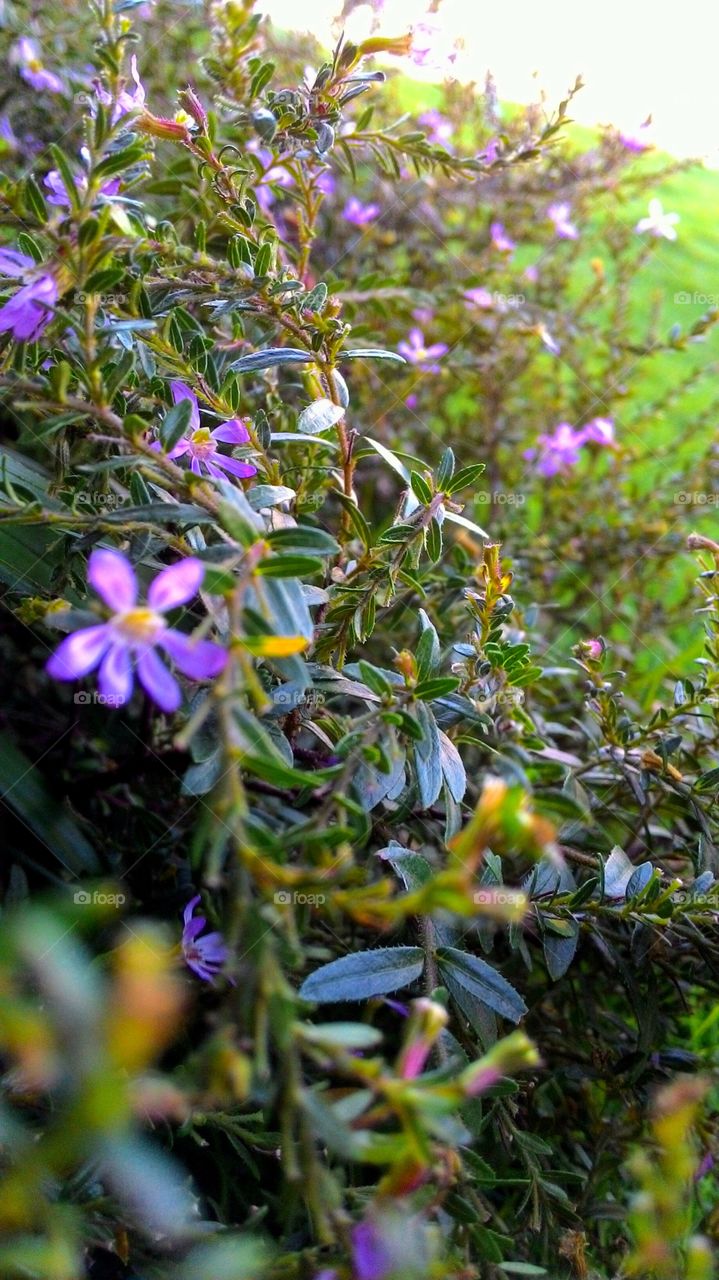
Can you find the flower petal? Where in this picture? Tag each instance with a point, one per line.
(115, 676)
(180, 391)
(187, 913)
(232, 432)
(112, 576)
(157, 681)
(79, 653)
(243, 470)
(176, 585)
(198, 659)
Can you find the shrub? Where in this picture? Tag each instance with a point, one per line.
(344, 891)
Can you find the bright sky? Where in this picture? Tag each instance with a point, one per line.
(636, 58)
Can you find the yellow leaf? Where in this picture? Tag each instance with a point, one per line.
(275, 646)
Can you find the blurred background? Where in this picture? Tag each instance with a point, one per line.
(636, 59)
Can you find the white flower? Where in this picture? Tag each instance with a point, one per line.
(658, 222)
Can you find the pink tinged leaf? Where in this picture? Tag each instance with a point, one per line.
(112, 576)
(176, 585)
(157, 681)
(115, 676)
(232, 432)
(79, 653)
(198, 659)
(180, 391)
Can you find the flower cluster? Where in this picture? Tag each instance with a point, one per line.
(559, 450)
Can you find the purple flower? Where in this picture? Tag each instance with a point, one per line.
(639, 141)
(205, 956)
(26, 56)
(128, 99)
(29, 311)
(559, 215)
(371, 1257)
(557, 451)
(416, 352)
(439, 127)
(200, 444)
(491, 151)
(598, 431)
(479, 297)
(132, 636)
(360, 214)
(500, 240)
(326, 182)
(58, 193)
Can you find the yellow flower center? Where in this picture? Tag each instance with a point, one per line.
(202, 444)
(139, 626)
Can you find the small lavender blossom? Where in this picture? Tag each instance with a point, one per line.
(28, 312)
(57, 192)
(491, 151)
(639, 141)
(415, 351)
(200, 444)
(360, 215)
(598, 431)
(128, 99)
(500, 240)
(660, 224)
(26, 55)
(371, 1257)
(557, 451)
(479, 297)
(132, 635)
(559, 215)
(205, 956)
(440, 129)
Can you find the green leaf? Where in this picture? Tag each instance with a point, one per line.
(436, 687)
(420, 488)
(482, 981)
(321, 415)
(304, 538)
(23, 789)
(271, 357)
(289, 566)
(372, 353)
(175, 423)
(364, 974)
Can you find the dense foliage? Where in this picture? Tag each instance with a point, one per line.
(359, 910)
